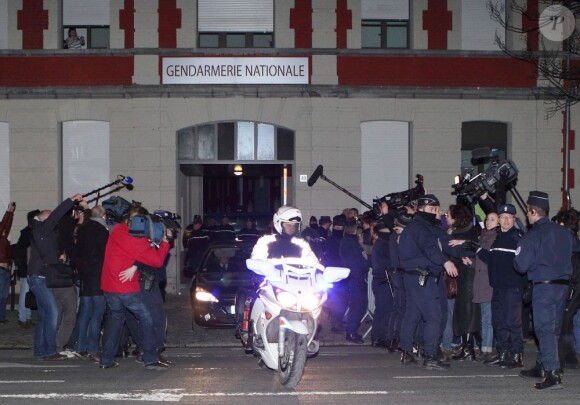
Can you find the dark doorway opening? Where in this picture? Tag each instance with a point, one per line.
(256, 193)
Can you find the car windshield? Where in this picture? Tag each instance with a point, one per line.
(230, 259)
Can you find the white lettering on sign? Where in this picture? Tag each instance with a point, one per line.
(235, 70)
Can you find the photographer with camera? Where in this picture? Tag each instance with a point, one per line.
(123, 292)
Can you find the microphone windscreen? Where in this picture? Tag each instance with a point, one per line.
(317, 173)
(128, 180)
(129, 186)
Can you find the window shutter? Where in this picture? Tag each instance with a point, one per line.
(385, 10)
(384, 158)
(85, 12)
(85, 156)
(235, 15)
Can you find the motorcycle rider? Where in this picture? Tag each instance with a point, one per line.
(287, 243)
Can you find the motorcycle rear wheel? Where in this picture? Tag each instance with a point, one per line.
(291, 365)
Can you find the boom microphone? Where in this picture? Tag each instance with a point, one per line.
(317, 173)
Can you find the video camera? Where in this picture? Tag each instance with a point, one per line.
(153, 226)
(401, 198)
(469, 189)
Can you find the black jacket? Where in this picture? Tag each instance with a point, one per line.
(44, 247)
(89, 255)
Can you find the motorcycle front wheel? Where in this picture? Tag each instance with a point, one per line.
(291, 365)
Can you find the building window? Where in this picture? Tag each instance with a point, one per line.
(235, 23)
(91, 19)
(385, 34)
(85, 156)
(235, 141)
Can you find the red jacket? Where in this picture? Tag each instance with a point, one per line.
(122, 251)
(5, 249)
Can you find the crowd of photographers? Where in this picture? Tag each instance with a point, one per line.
(94, 278)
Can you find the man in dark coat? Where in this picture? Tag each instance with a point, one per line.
(92, 239)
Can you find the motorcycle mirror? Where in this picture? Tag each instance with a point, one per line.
(261, 267)
(334, 274)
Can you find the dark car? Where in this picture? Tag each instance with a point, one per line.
(221, 272)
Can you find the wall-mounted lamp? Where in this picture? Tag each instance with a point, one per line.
(238, 171)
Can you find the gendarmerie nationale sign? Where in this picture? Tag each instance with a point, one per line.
(235, 70)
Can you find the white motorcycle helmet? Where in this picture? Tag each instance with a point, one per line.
(289, 214)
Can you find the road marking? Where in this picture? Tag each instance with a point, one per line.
(45, 366)
(421, 377)
(176, 396)
(30, 381)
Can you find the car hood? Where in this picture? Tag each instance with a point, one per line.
(225, 281)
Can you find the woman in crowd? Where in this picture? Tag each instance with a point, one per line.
(482, 291)
(466, 313)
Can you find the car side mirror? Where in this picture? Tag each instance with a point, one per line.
(334, 274)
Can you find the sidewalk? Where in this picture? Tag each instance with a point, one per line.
(179, 332)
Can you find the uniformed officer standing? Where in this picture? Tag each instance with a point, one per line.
(508, 290)
(355, 258)
(544, 254)
(338, 294)
(422, 258)
(381, 286)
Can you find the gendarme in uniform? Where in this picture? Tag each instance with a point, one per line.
(544, 254)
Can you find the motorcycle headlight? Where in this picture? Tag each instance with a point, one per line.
(286, 299)
(203, 295)
(310, 301)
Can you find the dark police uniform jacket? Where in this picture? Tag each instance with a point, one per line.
(381, 256)
(500, 260)
(354, 257)
(425, 245)
(544, 253)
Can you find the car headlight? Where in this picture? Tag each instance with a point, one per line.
(310, 301)
(203, 295)
(286, 299)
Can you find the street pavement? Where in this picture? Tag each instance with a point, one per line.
(179, 330)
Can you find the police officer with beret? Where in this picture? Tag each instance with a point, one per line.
(508, 290)
(422, 252)
(544, 254)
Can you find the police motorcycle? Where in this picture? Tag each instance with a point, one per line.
(284, 317)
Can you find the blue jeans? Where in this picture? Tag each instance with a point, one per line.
(117, 303)
(447, 341)
(4, 291)
(45, 330)
(486, 328)
(24, 314)
(89, 322)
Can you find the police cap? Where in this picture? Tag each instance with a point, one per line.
(325, 219)
(428, 199)
(197, 219)
(403, 219)
(539, 199)
(506, 209)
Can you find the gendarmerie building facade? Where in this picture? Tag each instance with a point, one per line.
(180, 94)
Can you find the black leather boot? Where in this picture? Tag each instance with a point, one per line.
(535, 372)
(432, 363)
(499, 360)
(552, 381)
(408, 358)
(515, 360)
(468, 352)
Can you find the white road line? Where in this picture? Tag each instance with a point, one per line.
(173, 396)
(45, 366)
(31, 381)
(425, 377)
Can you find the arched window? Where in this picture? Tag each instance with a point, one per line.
(235, 141)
